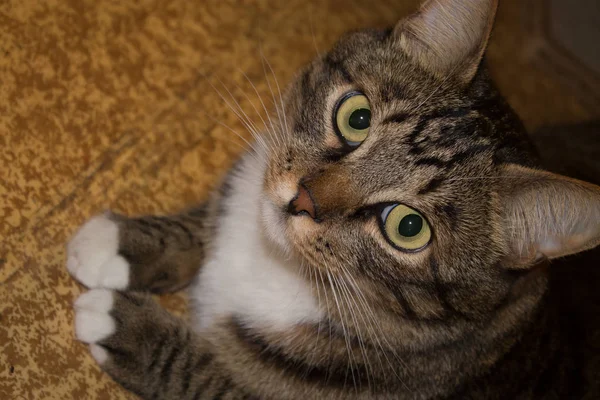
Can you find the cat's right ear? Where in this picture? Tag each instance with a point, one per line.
(448, 37)
(547, 215)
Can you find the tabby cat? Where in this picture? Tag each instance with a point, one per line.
(388, 239)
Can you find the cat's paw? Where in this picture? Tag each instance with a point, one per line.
(93, 322)
(93, 258)
(118, 324)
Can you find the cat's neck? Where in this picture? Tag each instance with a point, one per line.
(518, 345)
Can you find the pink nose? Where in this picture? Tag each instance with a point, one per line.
(303, 203)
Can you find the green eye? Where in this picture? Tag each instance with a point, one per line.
(353, 118)
(405, 227)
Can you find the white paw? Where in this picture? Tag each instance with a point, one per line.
(92, 255)
(93, 322)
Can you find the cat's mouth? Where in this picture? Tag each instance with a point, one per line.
(284, 220)
(282, 227)
(274, 223)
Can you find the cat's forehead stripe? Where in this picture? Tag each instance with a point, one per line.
(339, 67)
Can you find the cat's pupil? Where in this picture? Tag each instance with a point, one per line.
(410, 225)
(360, 119)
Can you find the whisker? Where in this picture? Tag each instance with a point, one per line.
(216, 121)
(362, 316)
(278, 111)
(474, 178)
(255, 110)
(345, 334)
(373, 331)
(344, 292)
(279, 92)
(252, 133)
(368, 313)
(330, 342)
(307, 274)
(245, 118)
(371, 315)
(316, 346)
(272, 132)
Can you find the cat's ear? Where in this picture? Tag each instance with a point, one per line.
(448, 37)
(547, 215)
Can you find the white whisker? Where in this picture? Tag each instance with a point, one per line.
(245, 118)
(272, 132)
(328, 311)
(345, 293)
(252, 133)
(344, 332)
(277, 109)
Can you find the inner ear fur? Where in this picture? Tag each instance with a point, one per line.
(547, 215)
(448, 37)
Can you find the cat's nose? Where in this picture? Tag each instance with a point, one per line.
(303, 203)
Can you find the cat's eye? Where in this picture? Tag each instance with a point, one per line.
(405, 228)
(352, 118)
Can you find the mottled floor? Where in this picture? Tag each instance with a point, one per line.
(106, 104)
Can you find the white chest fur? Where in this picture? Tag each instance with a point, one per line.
(245, 276)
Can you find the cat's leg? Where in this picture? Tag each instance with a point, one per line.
(149, 351)
(157, 254)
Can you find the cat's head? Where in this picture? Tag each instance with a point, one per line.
(398, 172)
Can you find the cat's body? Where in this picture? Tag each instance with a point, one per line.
(388, 239)
(249, 280)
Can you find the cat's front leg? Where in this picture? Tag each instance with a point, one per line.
(147, 350)
(153, 253)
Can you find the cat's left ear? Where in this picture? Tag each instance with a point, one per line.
(448, 37)
(546, 215)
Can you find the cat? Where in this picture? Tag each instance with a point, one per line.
(388, 238)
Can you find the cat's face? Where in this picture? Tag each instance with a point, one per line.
(388, 174)
(401, 200)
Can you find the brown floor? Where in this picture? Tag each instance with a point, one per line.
(106, 105)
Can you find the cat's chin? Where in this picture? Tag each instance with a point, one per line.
(283, 232)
